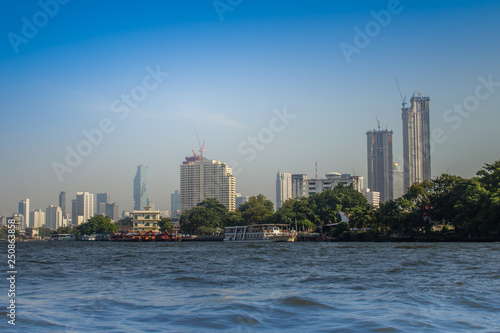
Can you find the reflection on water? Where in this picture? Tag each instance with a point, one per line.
(347, 287)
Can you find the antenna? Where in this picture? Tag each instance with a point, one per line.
(199, 143)
(403, 100)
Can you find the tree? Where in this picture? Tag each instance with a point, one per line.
(255, 209)
(97, 225)
(66, 230)
(208, 213)
(165, 224)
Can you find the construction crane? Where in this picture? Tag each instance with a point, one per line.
(403, 100)
(378, 123)
(199, 142)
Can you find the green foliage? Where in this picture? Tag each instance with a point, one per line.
(165, 223)
(45, 232)
(97, 225)
(255, 209)
(65, 230)
(208, 213)
(126, 222)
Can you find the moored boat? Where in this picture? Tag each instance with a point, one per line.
(260, 233)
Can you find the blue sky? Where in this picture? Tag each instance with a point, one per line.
(229, 77)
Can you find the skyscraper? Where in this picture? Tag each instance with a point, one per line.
(283, 188)
(37, 218)
(175, 202)
(62, 203)
(53, 217)
(84, 206)
(140, 194)
(416, 141)
(299, 188)
(24, 209)
(397, 176)
(379, 157)
(101, 200)
(202, 178)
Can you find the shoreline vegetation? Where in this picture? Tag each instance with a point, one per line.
(447, 208)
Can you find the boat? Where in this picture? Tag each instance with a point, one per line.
(260, 233)
(89, 237)
(62, 237)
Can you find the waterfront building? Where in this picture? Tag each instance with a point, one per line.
(84, 207)
(53, 217)
(201, 178)
(140, 190)
(38, 218)
(372, 197)
(283, 188)
(101, 200)
(24, 209)
(62, 202)
(145, 219)
(416, 141)
(175, 202)
(299, 189)
(379, 157)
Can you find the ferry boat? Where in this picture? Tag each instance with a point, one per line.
(260, 233)
(62, 237)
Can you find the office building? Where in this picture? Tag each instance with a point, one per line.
(101, 200)
(299, 189)
(84, 207)
(62, 203)
(240, 199)
(24, 210)
(175, 202)
(111, 210)
(331, 180)
(38, 218)
(283, 188)
(372, 197)
(397, 176)
(53, 217)
(416, 142)
(379, 157)
(140, 190)
(202, 178)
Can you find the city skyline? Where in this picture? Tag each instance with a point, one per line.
(270, 86)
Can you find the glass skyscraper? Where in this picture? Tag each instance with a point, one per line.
(140, 194)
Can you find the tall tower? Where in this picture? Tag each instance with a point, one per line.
(101, 200)
(62, 203)
(283, 188)
(202, 178)
(175, 202)
(379, 157)
(416, 141)
(140, 193)
(24, 208)
(84, 206)
(53, 217)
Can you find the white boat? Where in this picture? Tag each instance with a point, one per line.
(62, 237)
(260, 233)
(88, 237)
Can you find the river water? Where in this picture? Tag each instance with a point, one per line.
(255, 287)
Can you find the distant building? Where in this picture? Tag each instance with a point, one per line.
(37, 218)
(299, 189)
(397, 175)
(3, 221)
(84, 205)
(416, 142)
(24, 209)
(175, 202)
(140, 190)
(373, 198)
(62, 202)
(202, 178)
(53, 217)
(379, 157)
(283, 188)
(101, 200)
(111, 210)
(331, 180)
(152, 204)
(240, 199)
(145, 220)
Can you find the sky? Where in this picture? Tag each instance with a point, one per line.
(271, 86)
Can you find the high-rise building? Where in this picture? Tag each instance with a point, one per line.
(140, 192)
(241, 199)
(379, 157)
(84, 206)
(331, 180)
(299, 188)
(37, 218)
(202, 178)
(101, 200)
(111, 210)
(373, 197)
(283, 188)
(416, 141)
(62, 202)
(175, 202)
(53, 217)
(24, 209)
(397, 176)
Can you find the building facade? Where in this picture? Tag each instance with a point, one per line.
(202, 179)
(397, 176)
(416, 142)
(37, 218)
(379, 158)
(62, 202)
(145, 220)
(283, 188)
(175, 202)
(101, 200)
(53, 217)
(140, 190)
(24, 210)
(373, 197)
(84, 206)
(299, 189)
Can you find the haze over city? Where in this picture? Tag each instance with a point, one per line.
(299, 74)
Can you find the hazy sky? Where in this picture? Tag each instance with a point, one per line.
(326, 67)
